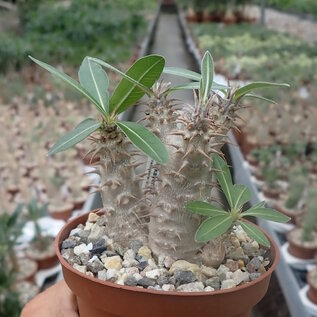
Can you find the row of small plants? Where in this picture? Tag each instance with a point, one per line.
(283, 169)
(24, 171)
(75, 28)
(20, 262)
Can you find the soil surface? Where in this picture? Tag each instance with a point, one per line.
(287, 23)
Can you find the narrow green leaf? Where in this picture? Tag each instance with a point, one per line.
(247, 88)
(266, 213)
(240, 195)
(182, 72)
(196, 85)
(255, 233)
(212, 228)
(260, 98)
(207, 75)
(146, 70)
(145, 140)
(81, 132)
(70, 81)
(224, 177)
(95, 80)
(145, 89)
(205, 209)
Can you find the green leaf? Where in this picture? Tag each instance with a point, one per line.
(95, 80)
(70, 81)
(241, 195)
(247, 88)
(182, 72)
(207, 75)
(255, 233)
(145, 89)
(212, 228)
(146, 70)
(260, 98)
(224, 177)
(81, 132)
(266, 213)
(145, 140)
(205, 209)
(196, 85)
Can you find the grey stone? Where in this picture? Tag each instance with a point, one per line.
(131, 281)
(94, 265)
(228, 284)
(168, 287)
(84, 258)
(109, 253)
(129, 255)
(254, 265)
(168, 262)
(102, 221)
(250, 249)
(143, 262)
(112, 275)
(119, 249)
(146, 282)
(70, 257)
(69, 243)
(235, 253)
(232, 265)
(96, 233)
(83, 235)
(80, 268)
(213, 282)
(135, 245)
(163, 279)
(102, 275)
(254, 276)
(222, 272)
(191, 287)
(184, 277)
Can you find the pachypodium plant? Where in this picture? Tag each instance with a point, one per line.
(311, 216)
(151, 206)
(220, 221)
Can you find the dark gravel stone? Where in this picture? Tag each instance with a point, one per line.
(213, 282)
(119, 249)
(146, 282)
(135, 245)
(69, 243)
(95, 266)
(98, 247)
(184, 277)
(131, 281)
(163, 279)
(172, 280)
(143, 262)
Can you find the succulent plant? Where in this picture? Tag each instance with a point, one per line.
(151, 207)
(311, 215)
(297, 186)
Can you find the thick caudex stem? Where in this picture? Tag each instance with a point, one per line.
(119, 188)
(196, 132)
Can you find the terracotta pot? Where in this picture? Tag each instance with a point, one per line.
(271, 193)
(312, 291)
(105, 299)
(63, 213)
(47, 262)
(288, 213)
(30, 275)
(298, 250)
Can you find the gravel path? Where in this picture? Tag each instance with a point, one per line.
(287, 23)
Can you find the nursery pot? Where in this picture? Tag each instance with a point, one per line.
(312, 291)
(105, 299)
(299, 250)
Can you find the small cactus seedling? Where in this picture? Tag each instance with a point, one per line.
(155, 211)
(219, 221)
(311, 215)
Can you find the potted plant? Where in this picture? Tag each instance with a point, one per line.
(144, 236)
(303, 240)
(41, 248)
(290, 204)
(312, 282)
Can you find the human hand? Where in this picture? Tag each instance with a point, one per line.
(56, 301)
